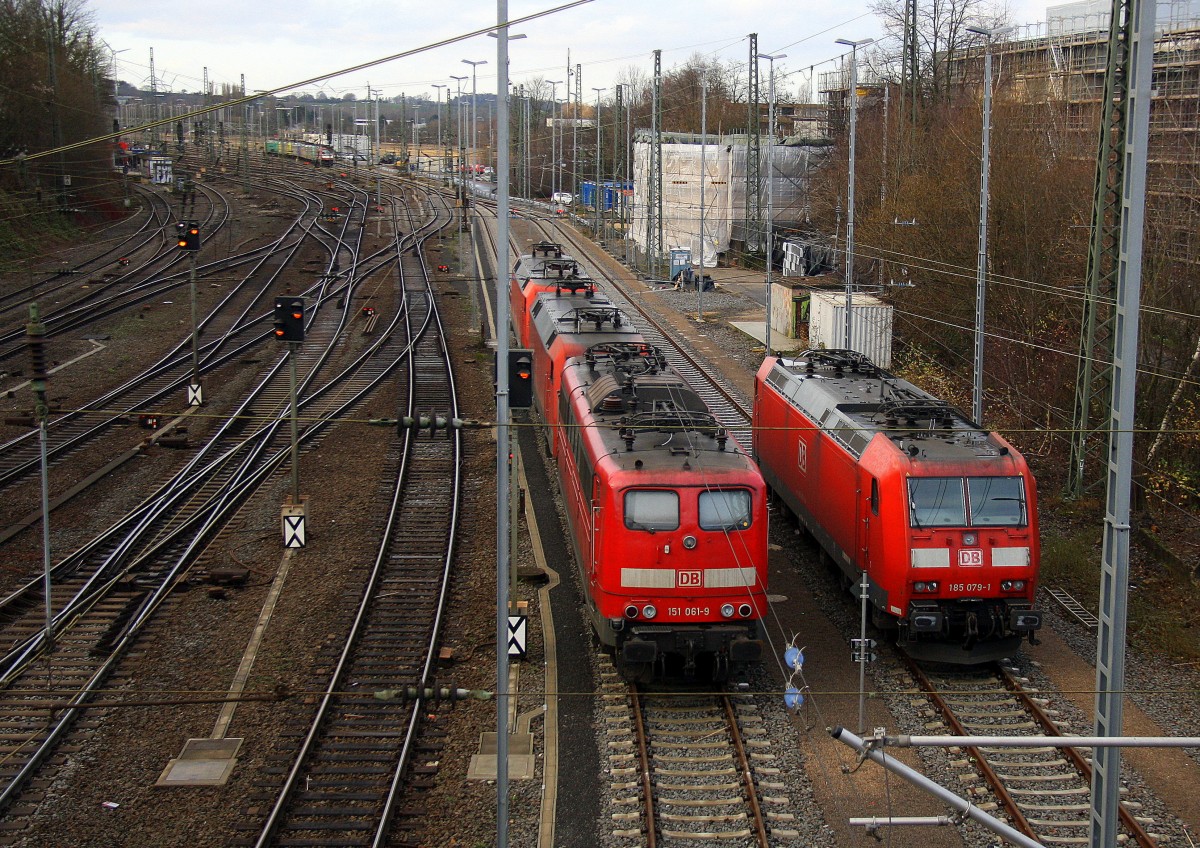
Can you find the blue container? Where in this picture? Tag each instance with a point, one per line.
(610, 192)
(588, 194)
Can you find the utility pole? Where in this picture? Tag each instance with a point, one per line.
(575, 129)
(654, 225)
(981, 263)
(703, 179)
(244, 154)
(598, 195)
(618, 183)
(770, 182)
(554, 84)
(441, 150)
(461, 169)
(502, 427)
(474, 116)
(853, 95)
(753, 155)
(1114, 568)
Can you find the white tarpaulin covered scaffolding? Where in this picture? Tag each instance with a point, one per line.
(724, 190)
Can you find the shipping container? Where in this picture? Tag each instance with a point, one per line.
(871, 325)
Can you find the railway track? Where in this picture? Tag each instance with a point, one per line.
(344, 783)
(1046, 792)
(106, 591)
(690, 768)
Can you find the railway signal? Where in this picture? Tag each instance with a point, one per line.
(520, 378)
(289, 319)
(188, 235)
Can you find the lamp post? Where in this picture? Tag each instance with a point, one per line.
(770, 187)
(597, 195)
(511, 37)
(554, 84)
(441, 150)
(474, 124)
(853, 45)
(375, 157)
(984, 170)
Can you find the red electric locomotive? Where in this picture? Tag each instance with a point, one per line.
(544, 269)
(940, 514)
(667, 513)
(563, 325)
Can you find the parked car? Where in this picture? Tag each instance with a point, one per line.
(563, 197)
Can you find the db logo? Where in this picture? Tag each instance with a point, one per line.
(970, 556)
(688, 578)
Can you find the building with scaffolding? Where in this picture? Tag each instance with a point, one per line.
(725, 182)
(1064, 60)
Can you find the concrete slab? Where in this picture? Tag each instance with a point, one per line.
(202, 762)
(757, 330)
(520, 758)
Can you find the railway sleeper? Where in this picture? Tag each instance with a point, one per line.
(727, 819)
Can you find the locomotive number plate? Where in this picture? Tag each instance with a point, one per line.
(970, 588)
(970, 557)
(688, 612)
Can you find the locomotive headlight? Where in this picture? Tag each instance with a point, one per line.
(689, 542)
(1012, 585)
(649, 611)
(631, 611)
(925, 586)
(744, 610)
(727, 611)
(1006, 585)
(970, 539)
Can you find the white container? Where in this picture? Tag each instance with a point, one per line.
(871, 324)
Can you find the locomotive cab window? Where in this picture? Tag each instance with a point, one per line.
(943, 502)
(997, 501)
(648, 509)
(725, 510)
(937, 502)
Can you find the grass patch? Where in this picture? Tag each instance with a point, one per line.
(1164, 610)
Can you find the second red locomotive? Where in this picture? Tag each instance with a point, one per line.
(940, 514)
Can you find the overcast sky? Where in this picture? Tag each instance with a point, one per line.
(279, 42)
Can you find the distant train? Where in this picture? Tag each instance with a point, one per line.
(939, 513)
(667, 513)
(318, 154)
